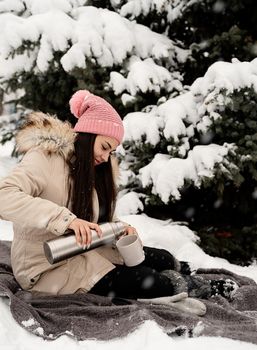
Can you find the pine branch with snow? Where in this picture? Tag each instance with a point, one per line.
(196, 138)
(87, 47)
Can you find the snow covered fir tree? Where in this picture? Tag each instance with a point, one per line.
(184, 76)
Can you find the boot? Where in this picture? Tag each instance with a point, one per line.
(178, 282)
(226, 288)
(198, 287)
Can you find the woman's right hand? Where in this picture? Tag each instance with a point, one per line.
(82, 230)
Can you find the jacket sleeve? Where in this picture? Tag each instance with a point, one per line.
(20, 200)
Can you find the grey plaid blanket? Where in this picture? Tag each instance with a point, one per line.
(88, 316)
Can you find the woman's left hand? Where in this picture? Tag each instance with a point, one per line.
(130, 230)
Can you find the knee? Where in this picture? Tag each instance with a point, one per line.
(170, 260)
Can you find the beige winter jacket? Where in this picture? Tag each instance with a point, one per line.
(35, 198)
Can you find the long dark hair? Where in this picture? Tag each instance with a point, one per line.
(86, 176)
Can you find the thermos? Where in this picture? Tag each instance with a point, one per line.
(66, 246)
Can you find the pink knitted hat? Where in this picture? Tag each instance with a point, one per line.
(95, 115)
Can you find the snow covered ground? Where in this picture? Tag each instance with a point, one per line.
(176, 238)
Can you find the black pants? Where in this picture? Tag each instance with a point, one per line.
(141, 281)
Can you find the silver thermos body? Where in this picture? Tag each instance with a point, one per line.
(65, 246)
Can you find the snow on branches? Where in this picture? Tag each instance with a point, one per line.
(83, 34)
(172, 127)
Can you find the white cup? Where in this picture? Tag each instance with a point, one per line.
(131, 250)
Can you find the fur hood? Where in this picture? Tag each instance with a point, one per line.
(47, 133)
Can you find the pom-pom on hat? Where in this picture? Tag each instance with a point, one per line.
(95, 115)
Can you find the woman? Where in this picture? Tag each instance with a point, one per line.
(65, 181)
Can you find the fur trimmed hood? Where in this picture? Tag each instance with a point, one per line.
(46, 132)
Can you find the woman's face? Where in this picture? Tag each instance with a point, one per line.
(103, 147)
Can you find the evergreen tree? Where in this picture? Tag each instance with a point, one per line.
(203, 157)
(213, 30)
(216, 30)
(86, 47)
(191, 145)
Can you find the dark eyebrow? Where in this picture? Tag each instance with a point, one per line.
(109, 145)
